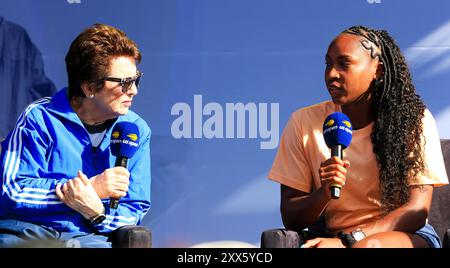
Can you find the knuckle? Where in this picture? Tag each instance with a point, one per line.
(122, 169)
(339, 180)
(111, 193)
(336, 179)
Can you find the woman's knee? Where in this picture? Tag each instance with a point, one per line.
(392, 240)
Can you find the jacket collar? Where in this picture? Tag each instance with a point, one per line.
(60, 105)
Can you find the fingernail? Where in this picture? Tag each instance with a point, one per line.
(302, 246)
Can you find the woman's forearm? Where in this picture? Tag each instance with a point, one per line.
(300, 212)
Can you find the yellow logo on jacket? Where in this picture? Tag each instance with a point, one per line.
(115, 134)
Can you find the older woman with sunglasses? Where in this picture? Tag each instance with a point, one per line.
(58, 173)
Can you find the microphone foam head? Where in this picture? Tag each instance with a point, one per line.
(124, 139)
(337, 130)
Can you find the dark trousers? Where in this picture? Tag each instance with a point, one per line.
(14, 233)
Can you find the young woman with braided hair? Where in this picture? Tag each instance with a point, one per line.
(395, 154)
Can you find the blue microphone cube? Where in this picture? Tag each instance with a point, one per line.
(124, 139)
(337, 130)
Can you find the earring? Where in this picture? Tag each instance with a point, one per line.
(91, 96)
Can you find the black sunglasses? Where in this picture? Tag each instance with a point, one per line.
(126, 82)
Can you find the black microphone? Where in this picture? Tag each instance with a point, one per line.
(337, 132)
(124, 144)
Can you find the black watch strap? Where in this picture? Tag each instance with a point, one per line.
(347, 239)
(98, 219)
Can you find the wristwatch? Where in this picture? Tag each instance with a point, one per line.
(349, 239)
(346, 239)
(358, 234)
(98, 219)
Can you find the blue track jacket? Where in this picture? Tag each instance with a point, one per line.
(48, 145)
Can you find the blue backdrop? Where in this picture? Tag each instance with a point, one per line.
(233, 51)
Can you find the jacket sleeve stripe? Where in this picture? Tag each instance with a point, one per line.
(13, 153)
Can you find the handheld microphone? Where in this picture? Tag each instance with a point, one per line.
(124, 144)
(337, 132)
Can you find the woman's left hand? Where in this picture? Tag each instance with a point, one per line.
(79, 195)
(321, 242)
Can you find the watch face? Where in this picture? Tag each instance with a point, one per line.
(358, 235)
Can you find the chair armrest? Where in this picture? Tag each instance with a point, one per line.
(131, 236)
(446, 241)
(280, 238)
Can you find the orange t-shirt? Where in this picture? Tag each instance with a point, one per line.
(302, 149)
